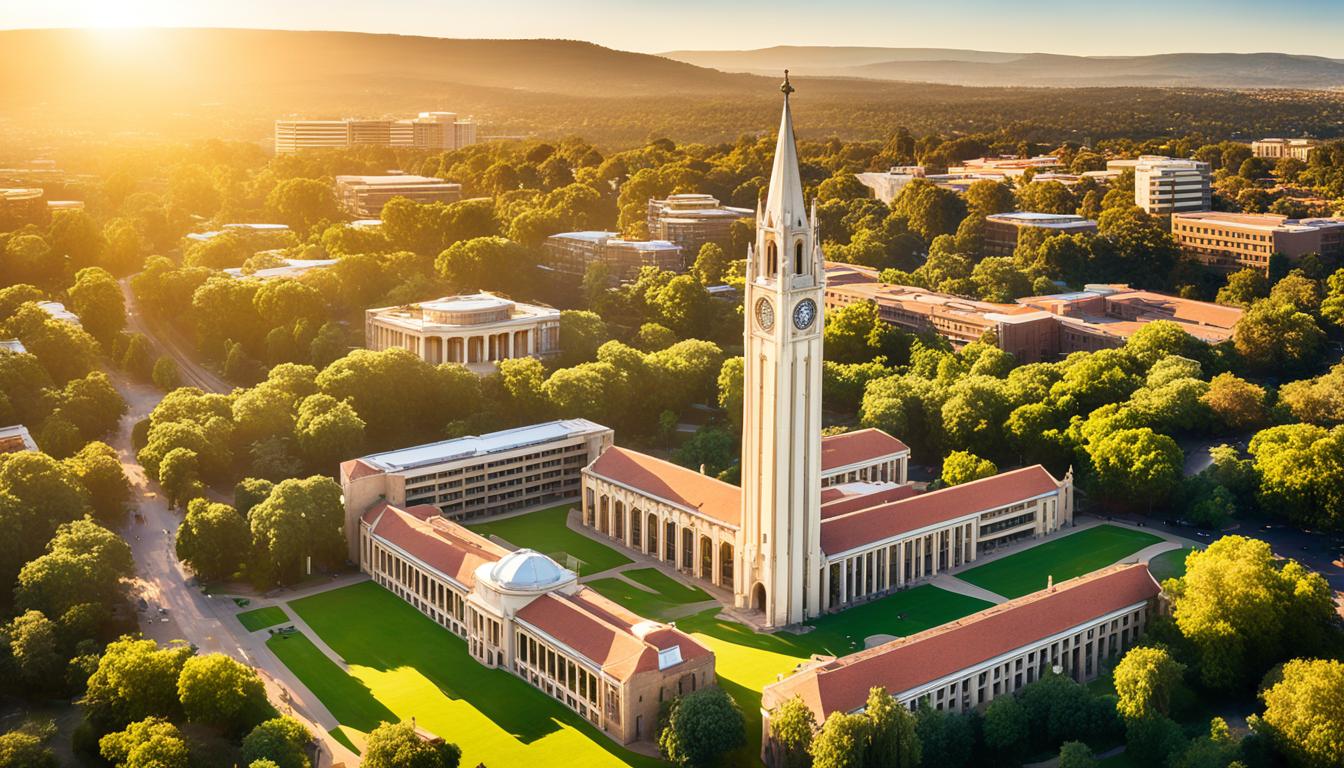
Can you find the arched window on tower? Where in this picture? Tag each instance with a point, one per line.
(771, 259)
(798, 258)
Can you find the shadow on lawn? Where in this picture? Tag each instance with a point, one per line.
(350, 701)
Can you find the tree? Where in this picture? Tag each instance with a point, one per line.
(710, 447)
(892, 738)
(37, 495)
(150, 743)
(1152, 740)
(92, 404)
(946, 739)
(855, 334)
(710, 264)
(303, 203)
(25, 750)
(1244, 288)
(653, 337)
(1318, 400)
(96, 299)
(328, 430)
(32, 638)
(986, 197)
(792, 726)
(135, 679)
(1305, 712)
(1274, 336)
(581, 333)
(213, 540)
(1301, 472)
(1160, 339)
(485, 263)
(1076, 754)
(84, 563)
(963, 467)
(98, 469)
(165, 375)
(1144, 681)
(1006, 726)
(1236, 402)
(216, 690)
(300, 519)
(701, 727)
(682, 305)
(1136, 464)
(399, 746)
(1242, 612)
(180, 476)
(842, 742)
(281, 740)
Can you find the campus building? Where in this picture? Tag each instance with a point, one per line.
(886, 185)
(12, 345)
(364, 196)
(1070, 628)
(23, 206)
(524, 613)
(285, 269)
(571, 253)
(1002, 229)
(431, 130)
(691, 220)
(1035, 328)
(1276, 148)
(477, 330)
(16, 438)
(512, 470)
(1164, 186)
(1233, 241)
(58, 311)
(1007, 166)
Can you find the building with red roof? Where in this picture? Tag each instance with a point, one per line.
(523, 612)
(1070, 628)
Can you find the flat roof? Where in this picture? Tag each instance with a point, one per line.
(429, 454)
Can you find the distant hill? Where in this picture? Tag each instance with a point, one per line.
(992, 68)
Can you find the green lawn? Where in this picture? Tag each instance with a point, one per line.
(903, 613)
(1064, 558)
(262, 618)
(668, 594)
(402, 665)
(546, 532)
(1169, 565)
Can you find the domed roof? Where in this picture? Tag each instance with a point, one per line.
(528, 570)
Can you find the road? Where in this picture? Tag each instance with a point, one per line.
(168, 342)
(174, 609)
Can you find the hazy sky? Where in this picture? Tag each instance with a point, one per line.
(1106, 27)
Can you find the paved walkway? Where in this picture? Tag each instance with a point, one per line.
(953, 584)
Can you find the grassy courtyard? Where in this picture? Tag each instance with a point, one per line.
(653, 594)
(1063, 558)
(1169, 565)
(262, 618)
(402, 665)
(546, 532)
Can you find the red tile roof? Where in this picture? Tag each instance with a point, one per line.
(357, 468)
(618, 641)
(845, 504)
(855, 447)
(444, 546)
(842, 685)
(674, 484)
(845, 532)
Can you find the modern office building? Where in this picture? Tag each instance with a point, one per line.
(569, 254)
(525, 613)
(430, 130)
(15, 438)
(691, 220)
(1233, 241)
(1002, 229)
(1163, 185)
(1276, 148)
(477, 330)
(478, 476)
(364, 196)
(20, 207)
(1073, 627)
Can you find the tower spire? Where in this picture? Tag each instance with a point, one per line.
(784, 202)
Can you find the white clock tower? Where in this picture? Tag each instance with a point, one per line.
(780, 545)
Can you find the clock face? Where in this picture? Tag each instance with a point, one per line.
(804, 314)
(765, 314)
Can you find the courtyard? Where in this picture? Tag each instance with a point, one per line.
(1060, 558)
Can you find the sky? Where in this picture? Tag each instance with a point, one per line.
(1083, 27)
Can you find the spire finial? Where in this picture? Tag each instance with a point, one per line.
(785, 86)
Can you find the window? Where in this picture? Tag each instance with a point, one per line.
(798, 258)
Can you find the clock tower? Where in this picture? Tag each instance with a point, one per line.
(779, 548)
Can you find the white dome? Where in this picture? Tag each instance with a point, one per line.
(528, 571)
